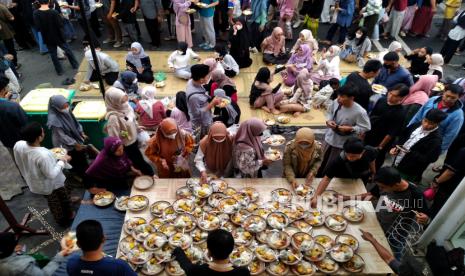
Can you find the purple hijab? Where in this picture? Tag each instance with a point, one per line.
(304, 57)
(107, 165)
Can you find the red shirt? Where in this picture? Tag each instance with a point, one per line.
(400, 5)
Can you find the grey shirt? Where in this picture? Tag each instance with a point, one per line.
(354, 116)
(197, 101)
(151, 8)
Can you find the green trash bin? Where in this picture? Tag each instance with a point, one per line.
(91, 115)
(35, 104)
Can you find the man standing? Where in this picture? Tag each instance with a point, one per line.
(12, 116)
(346, 119)
(396, 17)
(43, 173)
(152, 10)
(50, 24)
(393, 73)
(449, 103)
(360, 80)
(7, 33)
(198, 101)
(206, 12)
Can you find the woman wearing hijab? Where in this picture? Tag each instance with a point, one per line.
(357, 45)
(213, 65)
(435, 61)
(138, 62)
(302, 95)
(128, 83)
(180, 112)
(150, 111)
(328, 66)
(231, 68)
(418, 64)
(215, 153)
(67, 132)
(286, 11)
(122, 123)
(273, 48)
(262, 95)
(183, 21)
(180, 61)
(220, 80)
(306, 37)
(228, 112)
(395, 46)
(240, 43)
(302, 158)
(301, 59)
(109, 68)
(418, 95)
(169, 150)
(111, 168)
(249, 156)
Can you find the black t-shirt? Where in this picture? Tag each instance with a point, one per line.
(343, 168)
(204, 269)
(385, 120)
(363, 88)
(418, 66)
(393, 204)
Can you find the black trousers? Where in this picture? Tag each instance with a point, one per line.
(449, 48)
(95, 24)
(137, 159)
(256, 35)
(332, 31)
(92, 34)
(109, 78)
(153, 28)
(370, 23)
(146, 76)
(10, 47)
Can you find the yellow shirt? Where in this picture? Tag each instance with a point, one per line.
(451, 7)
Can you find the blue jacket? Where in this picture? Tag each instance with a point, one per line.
(345, 15)
(450, 127)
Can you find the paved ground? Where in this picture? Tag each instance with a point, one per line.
(38, 69)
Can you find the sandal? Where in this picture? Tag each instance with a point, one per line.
(68, 81)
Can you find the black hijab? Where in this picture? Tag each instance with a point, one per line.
(240, 42)
(182, 46)
(181, 103)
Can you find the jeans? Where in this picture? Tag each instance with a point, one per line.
(68, 29)
(68, 53)
(38, 36)
(207, 30)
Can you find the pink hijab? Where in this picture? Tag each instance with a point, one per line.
(419, 92)
(248, 136)
(304, 57)
(275, 42)
(304, 82)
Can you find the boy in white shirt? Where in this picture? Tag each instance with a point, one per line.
(43, 173)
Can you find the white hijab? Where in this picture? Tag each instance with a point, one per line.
(148, 99)
(437, 61)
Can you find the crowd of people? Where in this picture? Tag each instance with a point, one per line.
(388, 136)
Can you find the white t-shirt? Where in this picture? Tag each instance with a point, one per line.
(42, 172)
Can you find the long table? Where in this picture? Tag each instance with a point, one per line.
(165, 189)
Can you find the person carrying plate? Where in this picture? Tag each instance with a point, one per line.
(302, 157)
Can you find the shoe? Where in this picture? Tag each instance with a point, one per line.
(402, 34)
(117, 44)
(297, 24)
(18, 65)
(108, 41)
(208, 48)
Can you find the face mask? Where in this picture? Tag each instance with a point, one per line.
(180, 52)
(358, 35)
(219, 141)
(238, 27)
(304, 146)
(387, 66)
(171, 136)
(66, 110)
